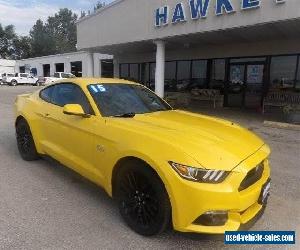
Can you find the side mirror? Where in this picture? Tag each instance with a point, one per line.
(74, 109)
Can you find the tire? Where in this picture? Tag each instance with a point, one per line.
(13, 83)
(25, 142)
(37, 83)
(142, 199)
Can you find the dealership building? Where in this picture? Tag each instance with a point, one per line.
(243, 48)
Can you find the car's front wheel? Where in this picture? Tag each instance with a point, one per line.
(142, 199)
(25, 141)
(13, 83)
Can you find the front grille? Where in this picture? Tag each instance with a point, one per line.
(253, 176)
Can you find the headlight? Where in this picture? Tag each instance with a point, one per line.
(199, 174)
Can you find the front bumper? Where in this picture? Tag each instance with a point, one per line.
(195, 199)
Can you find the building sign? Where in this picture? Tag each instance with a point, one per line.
(199, 8)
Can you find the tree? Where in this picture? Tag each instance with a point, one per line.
(99, 5)
(7, 36)
(42, 42)
(62, 28)
(21, 47)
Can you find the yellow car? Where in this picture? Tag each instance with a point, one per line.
(199, 173)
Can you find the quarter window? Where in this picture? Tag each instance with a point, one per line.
(46, 94)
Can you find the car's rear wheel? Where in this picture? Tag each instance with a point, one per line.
(13, 83)
(25, 141)
(142, 199)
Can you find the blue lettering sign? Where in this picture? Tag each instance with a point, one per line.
(199, 9)
(250, 4)
(223, 5)
(161, 16)
(179, 14)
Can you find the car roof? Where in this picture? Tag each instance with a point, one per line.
(87, 81)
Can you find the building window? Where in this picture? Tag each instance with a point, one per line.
(218, 69)
(76, 68)
(124, 71)
(170, 76)
(107, 68)
(199, 74)
(22, 69)
(183, 75)
(298, 75)
(33, 71)
(283, 71)
(59, 67)
(152, 75)
(145, 74)
(134, 72)
(248, 59)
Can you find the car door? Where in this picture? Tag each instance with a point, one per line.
(70, 139)
(22, 78)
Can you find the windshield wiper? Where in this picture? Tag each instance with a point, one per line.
(126, 115)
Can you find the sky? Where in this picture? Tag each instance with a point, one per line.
(24, 13)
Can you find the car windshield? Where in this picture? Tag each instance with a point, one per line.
(67, 75)
(125, 99)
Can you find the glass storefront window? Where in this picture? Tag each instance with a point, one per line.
(248, 59)
(298, 75)
(283, 71)
(152, 76)
(124, 71)
(134, 72)
(183, 75)
(170, 76)
(218, 68)
(145, 74)
(199, 74)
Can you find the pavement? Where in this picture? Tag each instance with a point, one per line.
(44, 205)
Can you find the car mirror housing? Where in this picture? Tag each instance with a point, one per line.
(75, 109)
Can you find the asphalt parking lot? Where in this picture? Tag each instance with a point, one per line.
(44, 205)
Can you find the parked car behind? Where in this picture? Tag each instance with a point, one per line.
(4, 77)
(55, 77)
(20, 78)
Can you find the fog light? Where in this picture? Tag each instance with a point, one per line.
(212, 218)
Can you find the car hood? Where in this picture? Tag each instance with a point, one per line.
(214, 143)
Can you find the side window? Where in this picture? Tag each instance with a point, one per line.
(68, 93)
(23, 75)
(46, 94)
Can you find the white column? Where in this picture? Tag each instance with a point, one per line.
(52, 68)
(89, 65)
(97, 66)
(160, 68)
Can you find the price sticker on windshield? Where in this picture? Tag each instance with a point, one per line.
(101, 88)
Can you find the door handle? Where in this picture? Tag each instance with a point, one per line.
(43, 114)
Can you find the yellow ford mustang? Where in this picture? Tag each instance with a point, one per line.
(200, 173)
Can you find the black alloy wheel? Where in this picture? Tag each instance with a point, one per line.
(142, 199)
(25, 141)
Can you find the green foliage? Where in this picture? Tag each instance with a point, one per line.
(99, 5)
(7, 36)
(56, 35)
